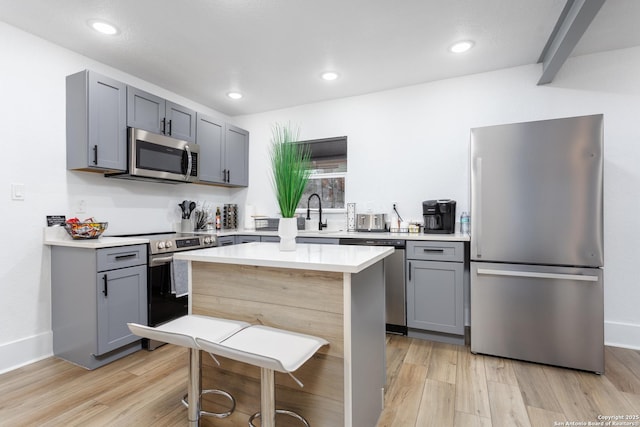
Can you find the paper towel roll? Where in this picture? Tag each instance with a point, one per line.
(249, 213)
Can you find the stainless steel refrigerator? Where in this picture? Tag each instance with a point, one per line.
(537, 242)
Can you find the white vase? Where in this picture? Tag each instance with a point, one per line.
(287, 231)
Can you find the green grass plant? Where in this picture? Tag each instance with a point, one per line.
(291, 167)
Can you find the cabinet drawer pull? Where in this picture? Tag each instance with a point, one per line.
(434, 250)
(105, 291)
(123, 257)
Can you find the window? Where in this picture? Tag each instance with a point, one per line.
(329, 169)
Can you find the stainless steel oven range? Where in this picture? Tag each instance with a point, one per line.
(165, 300)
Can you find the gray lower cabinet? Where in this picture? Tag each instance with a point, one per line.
(96, 122)
(155, 114)
(226, 240)
(318, 240)
(247, 239)
(224, 152)
(95, 293)
(435, 290)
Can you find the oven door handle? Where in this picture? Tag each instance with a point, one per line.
(154, 262)
(189, 163)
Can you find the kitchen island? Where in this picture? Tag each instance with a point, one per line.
(333, 292)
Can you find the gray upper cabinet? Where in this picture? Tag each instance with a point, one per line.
(96, 113)
(224, 152)
(237, 155)
(210, 140)
(154, 114)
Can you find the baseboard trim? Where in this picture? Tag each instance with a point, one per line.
(620, 334)
(22, 352)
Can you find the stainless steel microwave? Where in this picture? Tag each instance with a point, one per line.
(154, 157)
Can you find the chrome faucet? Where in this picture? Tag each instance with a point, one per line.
(321, 225)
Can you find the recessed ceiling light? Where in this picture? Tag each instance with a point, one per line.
(329, 75)
(103, 27)
(234, 95)
(461, 47)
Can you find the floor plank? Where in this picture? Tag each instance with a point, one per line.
(472, 395)
(507, 406)
(437, 406)
(444, 362)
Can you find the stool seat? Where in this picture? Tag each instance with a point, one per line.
(270, 349)
(266, 347)
(183, 332)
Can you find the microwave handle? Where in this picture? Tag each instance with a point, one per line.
(189, 163)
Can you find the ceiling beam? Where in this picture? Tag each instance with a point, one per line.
(572, 24)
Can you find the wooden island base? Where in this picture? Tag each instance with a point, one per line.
(344, 381)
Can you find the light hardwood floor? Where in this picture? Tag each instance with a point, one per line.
(429, 384)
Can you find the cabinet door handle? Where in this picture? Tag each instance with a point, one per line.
(409, 270)
(170, 127)
(224, 175)
(105, 291)
(164, 125)
(228, 175)
(95, 154)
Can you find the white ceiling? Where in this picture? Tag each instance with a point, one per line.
(273, 51)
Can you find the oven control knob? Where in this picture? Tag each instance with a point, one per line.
(207, 240)
(169, 244)
(160, 245)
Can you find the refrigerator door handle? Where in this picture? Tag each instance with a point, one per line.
(478, 209)
(539, 275)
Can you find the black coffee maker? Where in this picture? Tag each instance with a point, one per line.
(439, 216)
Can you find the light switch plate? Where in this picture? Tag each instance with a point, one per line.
(17, 191)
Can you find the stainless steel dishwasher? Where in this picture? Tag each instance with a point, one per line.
(394, 265)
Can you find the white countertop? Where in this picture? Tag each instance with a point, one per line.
(344, 259)
(340, 234)
(57, 236)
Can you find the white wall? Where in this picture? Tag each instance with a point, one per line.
(405, 145)
(411, 144)
(32, 89)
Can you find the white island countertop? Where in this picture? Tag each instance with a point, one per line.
(337, 258)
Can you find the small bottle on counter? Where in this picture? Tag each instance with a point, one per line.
(218, 220)
(465, 225)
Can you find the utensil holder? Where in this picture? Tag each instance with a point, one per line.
(186, 226)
